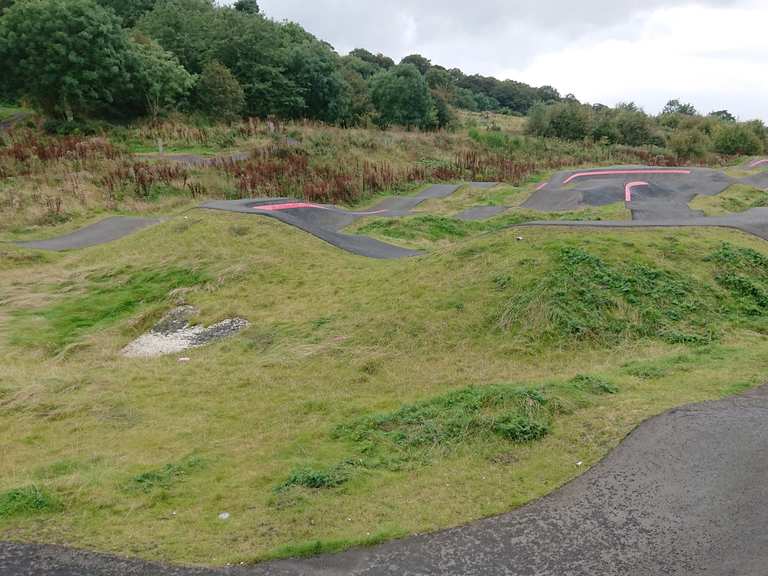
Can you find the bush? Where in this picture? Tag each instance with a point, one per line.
(402, 97)
(690, 144)
(218, 93)
(565, 120)
(738, 139)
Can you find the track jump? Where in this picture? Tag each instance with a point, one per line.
(656, 197)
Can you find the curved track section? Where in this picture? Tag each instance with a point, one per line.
(326, 221)
(101, 232)
(319, 220)
(684, 494)
(656, 197)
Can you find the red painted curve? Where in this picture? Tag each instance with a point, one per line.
(623, 173)
(631, 186)
(757, 163)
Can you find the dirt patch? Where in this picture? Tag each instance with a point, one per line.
(174, 333)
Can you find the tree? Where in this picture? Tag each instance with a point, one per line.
(185, 28)
(634, 128)
(129, 10)
(723, 115)
(690, 143)
(423, 64)
(401, 96)
(677, 107)
(547, 94)
(161, 82)
(247, 6)
(218, 94)
(68, 57)
(569, 121)
(379, 60)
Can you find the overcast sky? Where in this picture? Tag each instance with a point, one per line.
(713, 53)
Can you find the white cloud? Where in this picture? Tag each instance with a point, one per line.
(713, 57)
(711, 52)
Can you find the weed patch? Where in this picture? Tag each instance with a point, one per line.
(743, 272)
(167, 476)
(27, 501)
(584, 298)
(417, 433)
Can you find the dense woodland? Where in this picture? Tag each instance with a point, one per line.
(128, 58)
(118, 60)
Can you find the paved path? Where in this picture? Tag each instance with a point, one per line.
(660, 197)
(323, 221)
(684, 494)
(101, 232)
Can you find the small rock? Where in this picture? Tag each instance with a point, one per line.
(519, 238)
(579, 463)
(224, 516)
(185, 359)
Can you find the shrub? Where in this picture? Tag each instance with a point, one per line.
(690, 144)
(218, 93)
(737, 139)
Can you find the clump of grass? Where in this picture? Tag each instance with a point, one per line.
(438, 423)
(744, 273)
(419, 432)
(310, 477)
(27, 501)
(737, 198)
(167, 476)
(106, 300)
(593, 384)
(584, 298)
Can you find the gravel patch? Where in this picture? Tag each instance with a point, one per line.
(174, 334)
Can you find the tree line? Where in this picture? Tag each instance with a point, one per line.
(127, 58)
(679, 127)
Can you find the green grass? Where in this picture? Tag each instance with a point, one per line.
(737, 198)
(167, 476)
(417, 433)
(375, 390)
(428, 229)
(580, 297)
(106, 299)
(26, 501)
(8, 110)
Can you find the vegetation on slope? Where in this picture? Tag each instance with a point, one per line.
(364, 394)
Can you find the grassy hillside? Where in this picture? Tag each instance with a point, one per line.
(365, 396)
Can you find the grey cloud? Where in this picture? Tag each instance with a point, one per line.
(458, 32)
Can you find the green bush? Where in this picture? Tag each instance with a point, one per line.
(218, 94)
(736, 139)
(690, 144)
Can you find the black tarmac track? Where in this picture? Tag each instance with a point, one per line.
(660, 200)
(102, 232)
(684, 494)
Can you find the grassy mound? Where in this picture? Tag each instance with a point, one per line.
(737, 198)
(366, 393)
(106, 300)
(580, 296)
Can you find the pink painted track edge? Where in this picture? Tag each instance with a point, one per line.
(624, 173)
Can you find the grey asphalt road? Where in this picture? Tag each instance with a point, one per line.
(661, 201)
(684, 494)
(327, 221)
(667, 194)
(101, 232)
